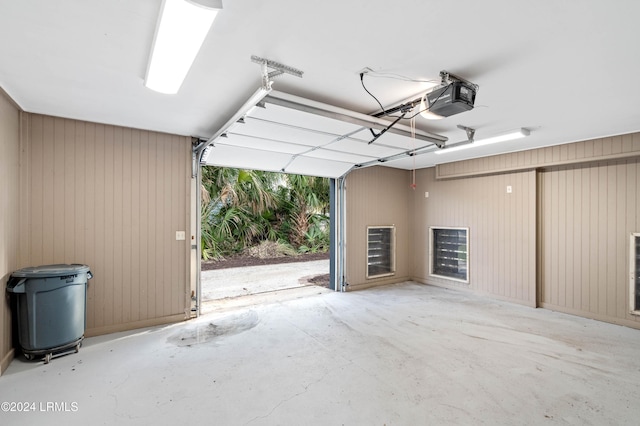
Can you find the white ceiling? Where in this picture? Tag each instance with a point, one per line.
(563, 69)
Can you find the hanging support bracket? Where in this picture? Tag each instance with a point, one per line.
(470, 132)
(272, 69)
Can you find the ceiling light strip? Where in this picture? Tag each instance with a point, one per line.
(180, 32)
(518, 134)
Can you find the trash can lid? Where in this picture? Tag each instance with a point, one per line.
(59, 270)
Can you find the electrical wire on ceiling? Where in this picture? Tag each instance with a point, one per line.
(384, 112)
(388, 113)
(394, 76)
(403, 108)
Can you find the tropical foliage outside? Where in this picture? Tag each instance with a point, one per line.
(243, 208)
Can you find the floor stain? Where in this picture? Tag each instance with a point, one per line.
(209, 331)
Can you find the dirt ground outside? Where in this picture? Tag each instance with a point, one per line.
(241, 260)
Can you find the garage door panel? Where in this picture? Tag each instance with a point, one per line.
(264, 144)
(328, 154)
(297, 135)
(283, 132)
(246, 158)
(318, 167)
(303, 119)
(356, 146)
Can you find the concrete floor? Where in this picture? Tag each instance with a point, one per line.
(405, 354)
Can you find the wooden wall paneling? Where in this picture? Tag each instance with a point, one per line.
(135, 224)
(77, 249)
(497, 229)
(100, 273)
(176, 209)
(622, 245)
(598, 148)
(68, 192)
(45, 214)
(594, 245)
(146, 244)
(616, 144)
(499, 278)
(117, 234)
(155, 193)
(177, 247)
(109, 225)
(602, 229)
(11, 148)
(561, 237)
(632, 197)
(585, 247)
(587, 264)
(168, 232)
(547, 255)
(611, 238)
(54, 208)
(575, 255)
(34, 208)
(129, 206)
(377, 196)
(88, 206)
(159, 213)
(112, 198)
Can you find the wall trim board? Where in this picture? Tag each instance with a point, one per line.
(553, 156)
(500, 171)
(591, 315)
(464, 287)
(6, 360)
(377, 283)
(172, 319)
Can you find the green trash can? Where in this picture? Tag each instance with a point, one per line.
(50, 308)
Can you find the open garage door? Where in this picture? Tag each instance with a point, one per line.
(275, 131)
(285, 133)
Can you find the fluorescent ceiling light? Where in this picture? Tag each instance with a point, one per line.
(181, 30)
(520, 133)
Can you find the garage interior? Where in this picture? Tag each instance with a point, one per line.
(98, 169)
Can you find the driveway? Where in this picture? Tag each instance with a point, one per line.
(235, 282)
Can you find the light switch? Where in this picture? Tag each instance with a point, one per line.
(509, 189)
(180, 235)
(426, 195)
